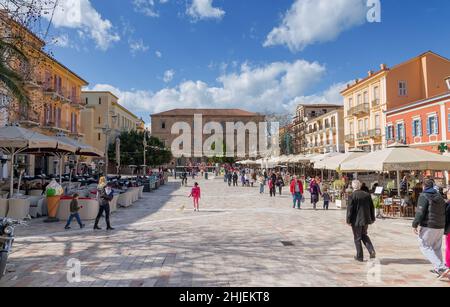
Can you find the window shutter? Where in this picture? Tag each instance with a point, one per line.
(436, 126)
(420, 128)
(414, 128)
(404, 132)
(448, 123)
(429, 126)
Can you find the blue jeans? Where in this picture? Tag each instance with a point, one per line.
(71, 217)
(297, 199)
(261, 188)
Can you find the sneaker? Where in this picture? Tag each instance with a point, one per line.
(373, 255)
(445, 273)
(97, 228)
(67, 228)
(110, 229)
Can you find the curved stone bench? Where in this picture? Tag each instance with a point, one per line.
(125, 199)
(18, 208)
(3, 207)
(89, 210)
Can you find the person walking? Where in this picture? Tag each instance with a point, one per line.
(74, 209)
(105, 196)
(326, 199)
(230, 178)
(431, 218)
(296, 189)
(315, 191)
(235, 179)
(361, 214)
(272, 187)
(280, 184)
(262, 184)
(196, 195)
(184, 179)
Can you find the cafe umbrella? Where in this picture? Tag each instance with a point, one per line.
(15, 140)
(397, 158)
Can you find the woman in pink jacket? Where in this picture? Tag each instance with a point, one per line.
(196, 194)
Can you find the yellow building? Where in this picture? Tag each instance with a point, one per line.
(103, 113)
(54, 90)
(367, 101)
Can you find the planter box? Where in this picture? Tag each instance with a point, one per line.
(341, 204)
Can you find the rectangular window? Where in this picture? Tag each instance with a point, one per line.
(163, 125)
(401, 133)
(358, 101)
(366, 97)
(390, 132)
(350, 103)
(417, 128)
(100, 100)
(433, 125)
(377, 122)
(376, 93)
(402, 88)
(99, 136)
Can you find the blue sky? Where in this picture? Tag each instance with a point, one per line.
(160, 54)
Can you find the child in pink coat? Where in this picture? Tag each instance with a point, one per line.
(196, 194)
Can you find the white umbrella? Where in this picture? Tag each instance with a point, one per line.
(397, 157)
(333, 163)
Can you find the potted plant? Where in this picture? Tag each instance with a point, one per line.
(338, 186)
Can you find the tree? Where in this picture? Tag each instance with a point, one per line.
(18, 54)
(132, 150)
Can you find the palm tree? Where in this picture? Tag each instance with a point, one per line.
(13, 80)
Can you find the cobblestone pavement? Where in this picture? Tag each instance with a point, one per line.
(235, 240)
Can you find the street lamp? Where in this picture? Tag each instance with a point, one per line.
(144, 143)
(107, 131)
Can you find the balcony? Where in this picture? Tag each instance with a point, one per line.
(375, 133)
(363, 135)
(362, 109)
(376, 103)
(350, 138)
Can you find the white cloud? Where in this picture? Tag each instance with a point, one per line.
(81, 15)
(315, 21)
(169, 75)
(147, 7)
(203, 9)
(158, 54)
(274, 87)
(138, 46)
(331, 95)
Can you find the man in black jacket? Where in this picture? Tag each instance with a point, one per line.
(430, 217)
(361, 214)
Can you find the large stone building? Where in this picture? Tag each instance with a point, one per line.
(367, 101)
(325, 133)
(54, 91)
(305, 113)
(163, 124)
(103, 113)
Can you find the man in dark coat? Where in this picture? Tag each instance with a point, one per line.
(361, 214)
(431, 217)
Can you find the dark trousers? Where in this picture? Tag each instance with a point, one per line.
(273, 192)
(326, 204)
(229, 183)
(280, 189)
(106, 210)
(235, 183)
(360, 235)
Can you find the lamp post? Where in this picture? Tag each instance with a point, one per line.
(145, 151)
(3, 161)
(107, 132)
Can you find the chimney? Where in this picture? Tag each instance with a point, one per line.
(383, 66)
(356, 81)
(447, 81)
(370, 73)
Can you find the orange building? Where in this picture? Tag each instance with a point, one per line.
(424, 124)
(54, 91)
(367, 101)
